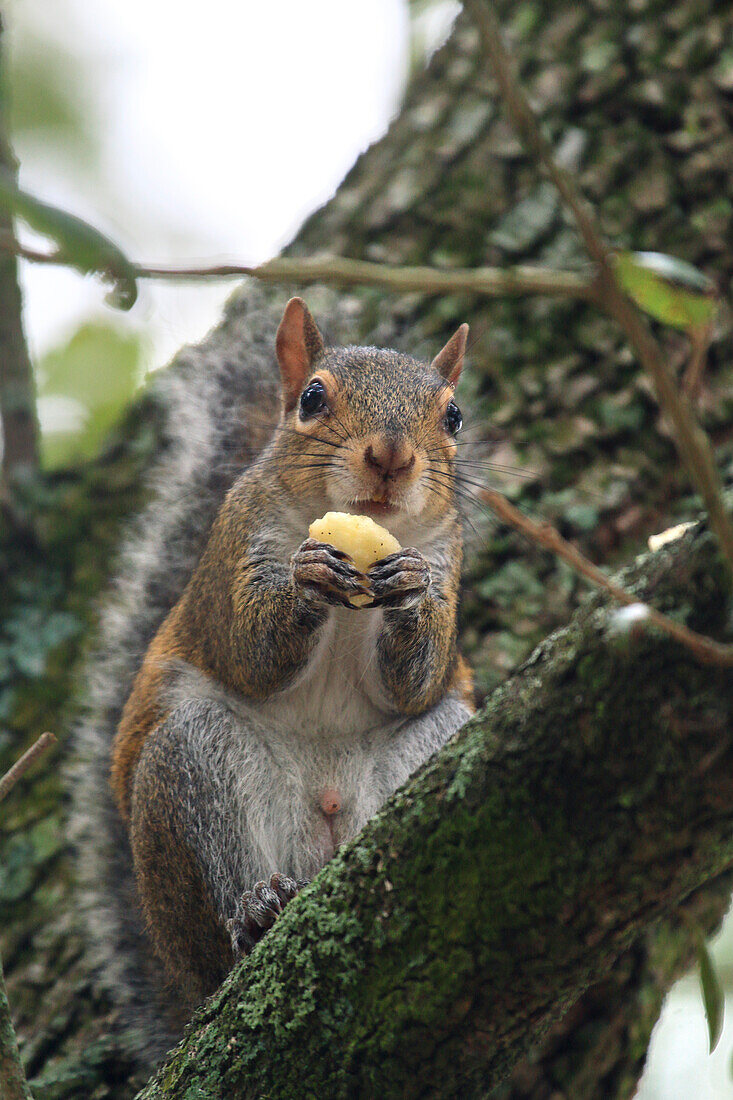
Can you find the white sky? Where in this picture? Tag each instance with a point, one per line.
(224, 126)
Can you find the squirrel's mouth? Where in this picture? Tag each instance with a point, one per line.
(374, 507)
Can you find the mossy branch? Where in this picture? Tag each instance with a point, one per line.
(472, 912)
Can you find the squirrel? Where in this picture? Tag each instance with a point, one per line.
(260, 718)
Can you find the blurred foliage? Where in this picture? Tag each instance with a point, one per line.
(51, 104)
(84, 385)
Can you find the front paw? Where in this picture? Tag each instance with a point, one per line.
(401, 580)
(327, 575)
(258, 909)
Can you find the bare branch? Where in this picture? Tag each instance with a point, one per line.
(692, 380)
(339, 271)
(20, 767)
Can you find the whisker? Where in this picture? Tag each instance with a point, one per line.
(459, 483)
(487, 464)
(453, 484)
(497, 467)
(469, 499)
(347, 433)
(315, 438)
(449, 496)
(498, 437)
(458, 489)
(312, 466)
(313, 454)
(284, 461)
(475, 482)
(490, 439)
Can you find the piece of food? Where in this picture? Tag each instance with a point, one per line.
(358, 536)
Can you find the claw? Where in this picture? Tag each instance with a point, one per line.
(258, 909)
(285, 888)
(400, 580)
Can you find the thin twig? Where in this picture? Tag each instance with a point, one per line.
(544, 534)
(692, 379)
(691, 440)
(20, 767)
(340, 271)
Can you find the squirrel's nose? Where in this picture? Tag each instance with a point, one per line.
(389, 458)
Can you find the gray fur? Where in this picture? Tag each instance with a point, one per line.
(208, 398)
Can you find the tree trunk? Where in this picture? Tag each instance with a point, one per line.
(638, 99)
(17, 393)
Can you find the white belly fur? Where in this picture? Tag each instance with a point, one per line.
(339, 693)
(331, 728)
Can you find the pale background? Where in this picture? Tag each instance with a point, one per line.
(210, 133)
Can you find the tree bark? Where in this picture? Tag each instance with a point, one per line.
(638, 99)
(17, 390)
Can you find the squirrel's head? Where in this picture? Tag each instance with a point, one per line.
(372, 432)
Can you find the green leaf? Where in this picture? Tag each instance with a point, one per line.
(669, 289)
(712, 995)
(79, 244)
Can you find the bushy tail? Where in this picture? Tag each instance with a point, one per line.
(218, 403)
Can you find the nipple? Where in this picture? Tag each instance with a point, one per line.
(330, 801)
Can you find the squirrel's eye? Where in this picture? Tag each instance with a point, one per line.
(453, 420)
(312, 399)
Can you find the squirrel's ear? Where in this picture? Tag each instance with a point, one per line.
(449, 361)
(297, 344)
